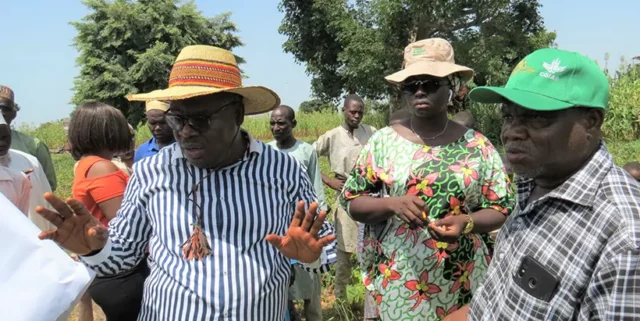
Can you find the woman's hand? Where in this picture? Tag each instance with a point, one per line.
(448, 229)
(409, 208)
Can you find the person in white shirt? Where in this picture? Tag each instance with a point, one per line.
(14, 184)
(23, 162)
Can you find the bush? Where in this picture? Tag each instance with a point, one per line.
(488, 121)
(622, 121)
(52, 133)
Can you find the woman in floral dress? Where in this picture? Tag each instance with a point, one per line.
(429, 190)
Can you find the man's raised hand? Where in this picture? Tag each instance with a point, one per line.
(77, 230)
(301, 241)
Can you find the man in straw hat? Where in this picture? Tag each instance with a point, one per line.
(24, 142)
(162, 133)
(571, 249)
(220, 212)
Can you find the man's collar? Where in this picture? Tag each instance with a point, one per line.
(153, 145)
(254, 147)
(582, 186)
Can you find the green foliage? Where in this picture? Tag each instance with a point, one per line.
(487, 120)
(316, 105)
(310, 125)
(622, 121)
(349, 46)
(128, 46)
(624, 152)
(63, 165)
(52, 133)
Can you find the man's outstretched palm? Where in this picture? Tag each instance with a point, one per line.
(301, 241)
(77, 230)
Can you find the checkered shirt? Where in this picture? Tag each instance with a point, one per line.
(586, 232)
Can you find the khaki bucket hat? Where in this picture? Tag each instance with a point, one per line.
(432, 57)
(204, 70)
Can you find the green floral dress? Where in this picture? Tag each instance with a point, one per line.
(412, 276)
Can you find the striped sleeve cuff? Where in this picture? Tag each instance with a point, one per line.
(324, 262)
(99, 258)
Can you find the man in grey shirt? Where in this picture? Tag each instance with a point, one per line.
(307, 285)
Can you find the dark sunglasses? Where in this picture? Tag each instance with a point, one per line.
(198, 123)
(427, 85)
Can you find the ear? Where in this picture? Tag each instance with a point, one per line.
(294, 123)
(594, 118)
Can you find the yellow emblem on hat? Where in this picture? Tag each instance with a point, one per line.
(522, 67)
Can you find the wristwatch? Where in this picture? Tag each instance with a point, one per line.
(469, 227)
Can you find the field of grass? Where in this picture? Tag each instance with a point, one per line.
(310, 126)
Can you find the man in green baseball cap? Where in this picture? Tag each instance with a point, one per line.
(571, 248)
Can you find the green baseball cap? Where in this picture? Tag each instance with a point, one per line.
(551, 79)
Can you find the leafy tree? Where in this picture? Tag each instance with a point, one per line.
(349, 46)
(128, 46)
(316, 105)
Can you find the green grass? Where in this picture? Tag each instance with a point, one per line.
(63, 163)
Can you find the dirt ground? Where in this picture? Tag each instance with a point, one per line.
(97, 314)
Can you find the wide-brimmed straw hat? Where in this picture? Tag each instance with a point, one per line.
(432, 57)
(205, 70)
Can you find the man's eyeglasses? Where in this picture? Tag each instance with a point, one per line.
(199, 123)
(427, 84)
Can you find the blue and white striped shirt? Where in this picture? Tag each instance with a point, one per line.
(245, 277)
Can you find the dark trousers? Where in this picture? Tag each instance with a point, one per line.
(120, 296)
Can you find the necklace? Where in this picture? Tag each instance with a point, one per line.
(197, 246)
(428, 138)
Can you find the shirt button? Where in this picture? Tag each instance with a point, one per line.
(223, 236)
(222, 198)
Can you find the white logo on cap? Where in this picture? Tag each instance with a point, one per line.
(552, 68)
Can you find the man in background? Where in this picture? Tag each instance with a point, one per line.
(343, 145)
(14, 184)
(25, 163)
(307, 285)
(162, 133)
(24, 142)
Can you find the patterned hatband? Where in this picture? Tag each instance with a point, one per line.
(207, 73)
